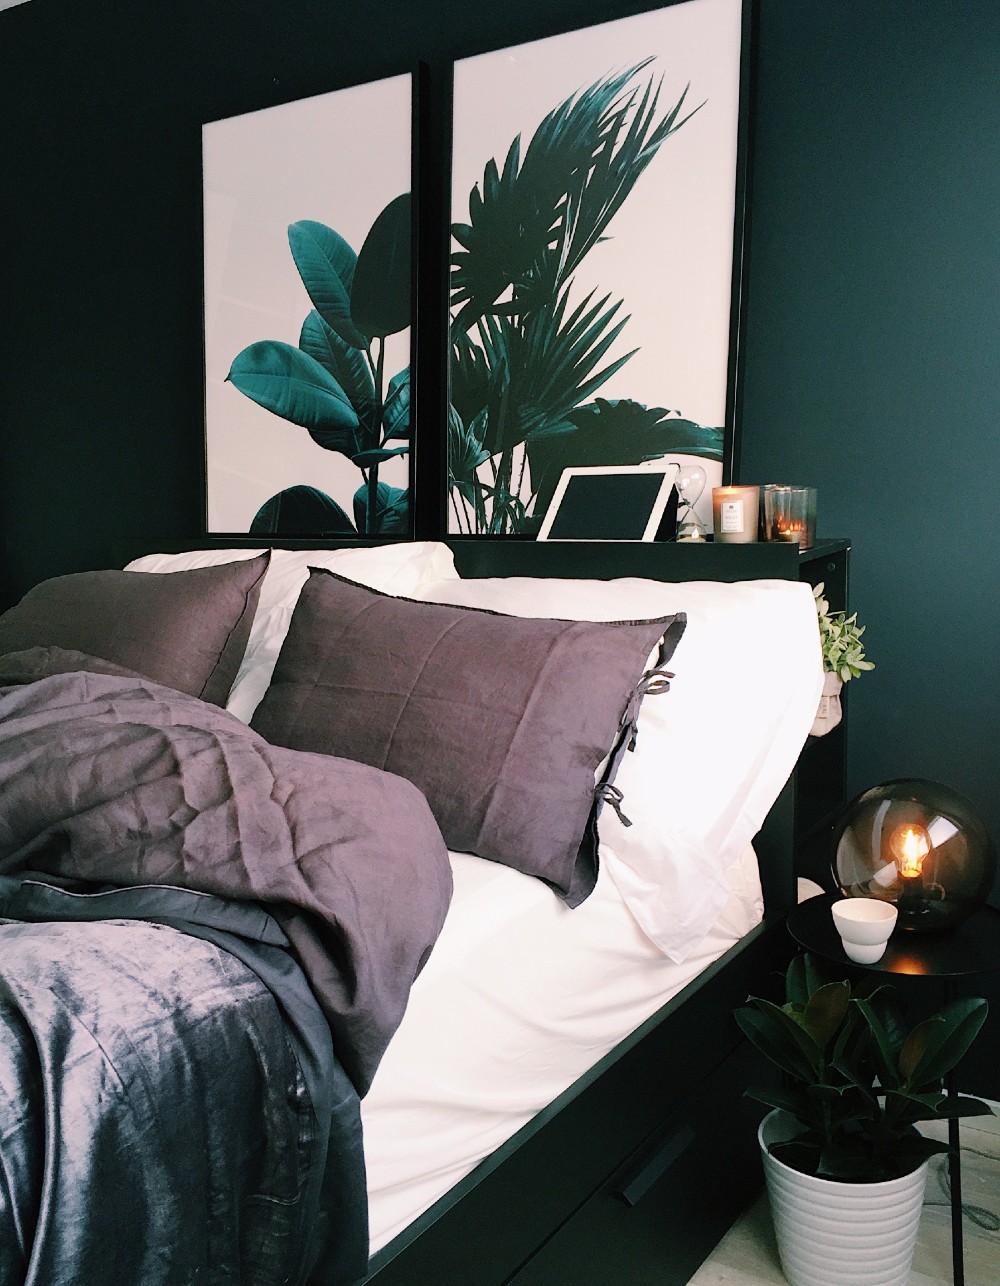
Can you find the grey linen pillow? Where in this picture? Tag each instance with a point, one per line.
(501, 721)
(187, 630)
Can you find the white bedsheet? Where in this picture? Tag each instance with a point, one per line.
(713, 754)
(519, 998)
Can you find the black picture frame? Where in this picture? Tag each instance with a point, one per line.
(311, 328)
(485, 471)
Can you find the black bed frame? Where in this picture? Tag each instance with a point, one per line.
(635, 1172)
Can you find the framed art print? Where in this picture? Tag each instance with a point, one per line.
(308, 315)
(594, 213)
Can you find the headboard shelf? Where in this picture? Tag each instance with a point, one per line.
(510, 556)
(658, 560)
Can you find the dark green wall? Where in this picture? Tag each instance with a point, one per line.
(873, 351)
(871, 339)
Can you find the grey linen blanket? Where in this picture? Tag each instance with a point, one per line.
(109, 779)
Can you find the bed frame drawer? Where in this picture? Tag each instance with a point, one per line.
(676, 1195)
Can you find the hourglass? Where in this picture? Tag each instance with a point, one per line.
(690, 483)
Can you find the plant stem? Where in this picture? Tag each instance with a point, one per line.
(520, 475)
(462, 511)
(372, 514)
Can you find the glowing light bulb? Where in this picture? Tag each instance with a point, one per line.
(910, 845)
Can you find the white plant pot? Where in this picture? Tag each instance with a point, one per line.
(830, 712)
(840, 1234)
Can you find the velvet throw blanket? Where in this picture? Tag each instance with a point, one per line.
(161, 1123)
(110, 780)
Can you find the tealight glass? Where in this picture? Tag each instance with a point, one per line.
(790, 514)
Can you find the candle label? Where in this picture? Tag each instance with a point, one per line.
(731, 515)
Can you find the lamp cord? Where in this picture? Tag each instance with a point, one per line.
(979, 1215)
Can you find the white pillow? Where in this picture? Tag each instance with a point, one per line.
(713, 753)
(397, 568)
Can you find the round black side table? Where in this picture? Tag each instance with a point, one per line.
(969, 948)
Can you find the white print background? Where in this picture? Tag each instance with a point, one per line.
(670, 253)
(339, 159)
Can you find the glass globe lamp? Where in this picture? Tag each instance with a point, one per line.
(920, 845)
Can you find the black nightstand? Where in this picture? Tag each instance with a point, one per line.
(968, 949)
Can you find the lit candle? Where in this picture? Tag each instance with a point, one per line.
(734, 514)
(790, 514)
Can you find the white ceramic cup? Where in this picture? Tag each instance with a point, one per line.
(864, 925)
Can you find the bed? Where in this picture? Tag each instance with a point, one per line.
(505, 1131)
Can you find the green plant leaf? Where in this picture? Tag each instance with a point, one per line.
(531, 223)
(780, 1039)
(283, 379)
(911, 1152)
(961, 1106)
(908, 1101)
(885, 1058)
(859, 1118)
(382, 292)
(471, 377)
(365, 459)
(783, 1099)
(503, 236)
(465, 455)
(301, 511)
(465, 448)
(803, 975)
(840, 640)
(798, 1155)
(934, 1047)
(396, 412)
(825, 1011)
(844, 1162)
(326, 264)
(624, 153)
(348, 366)
(392, 510)
(540, 371)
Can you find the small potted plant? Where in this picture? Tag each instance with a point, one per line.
(844, 1161)
(843, 659)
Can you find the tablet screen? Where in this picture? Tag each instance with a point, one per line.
(602, 504)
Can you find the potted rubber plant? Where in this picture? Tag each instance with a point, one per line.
(843, 659)
(844, 1161)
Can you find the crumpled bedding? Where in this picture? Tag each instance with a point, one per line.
(185, 1114)
(108, 778)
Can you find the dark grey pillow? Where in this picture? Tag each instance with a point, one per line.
(187, 630)
(502, 721)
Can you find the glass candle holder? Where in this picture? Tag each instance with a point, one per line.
(790, 515)
(735, 514)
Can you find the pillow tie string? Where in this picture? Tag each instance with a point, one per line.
(606, 793)
(653, 682)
